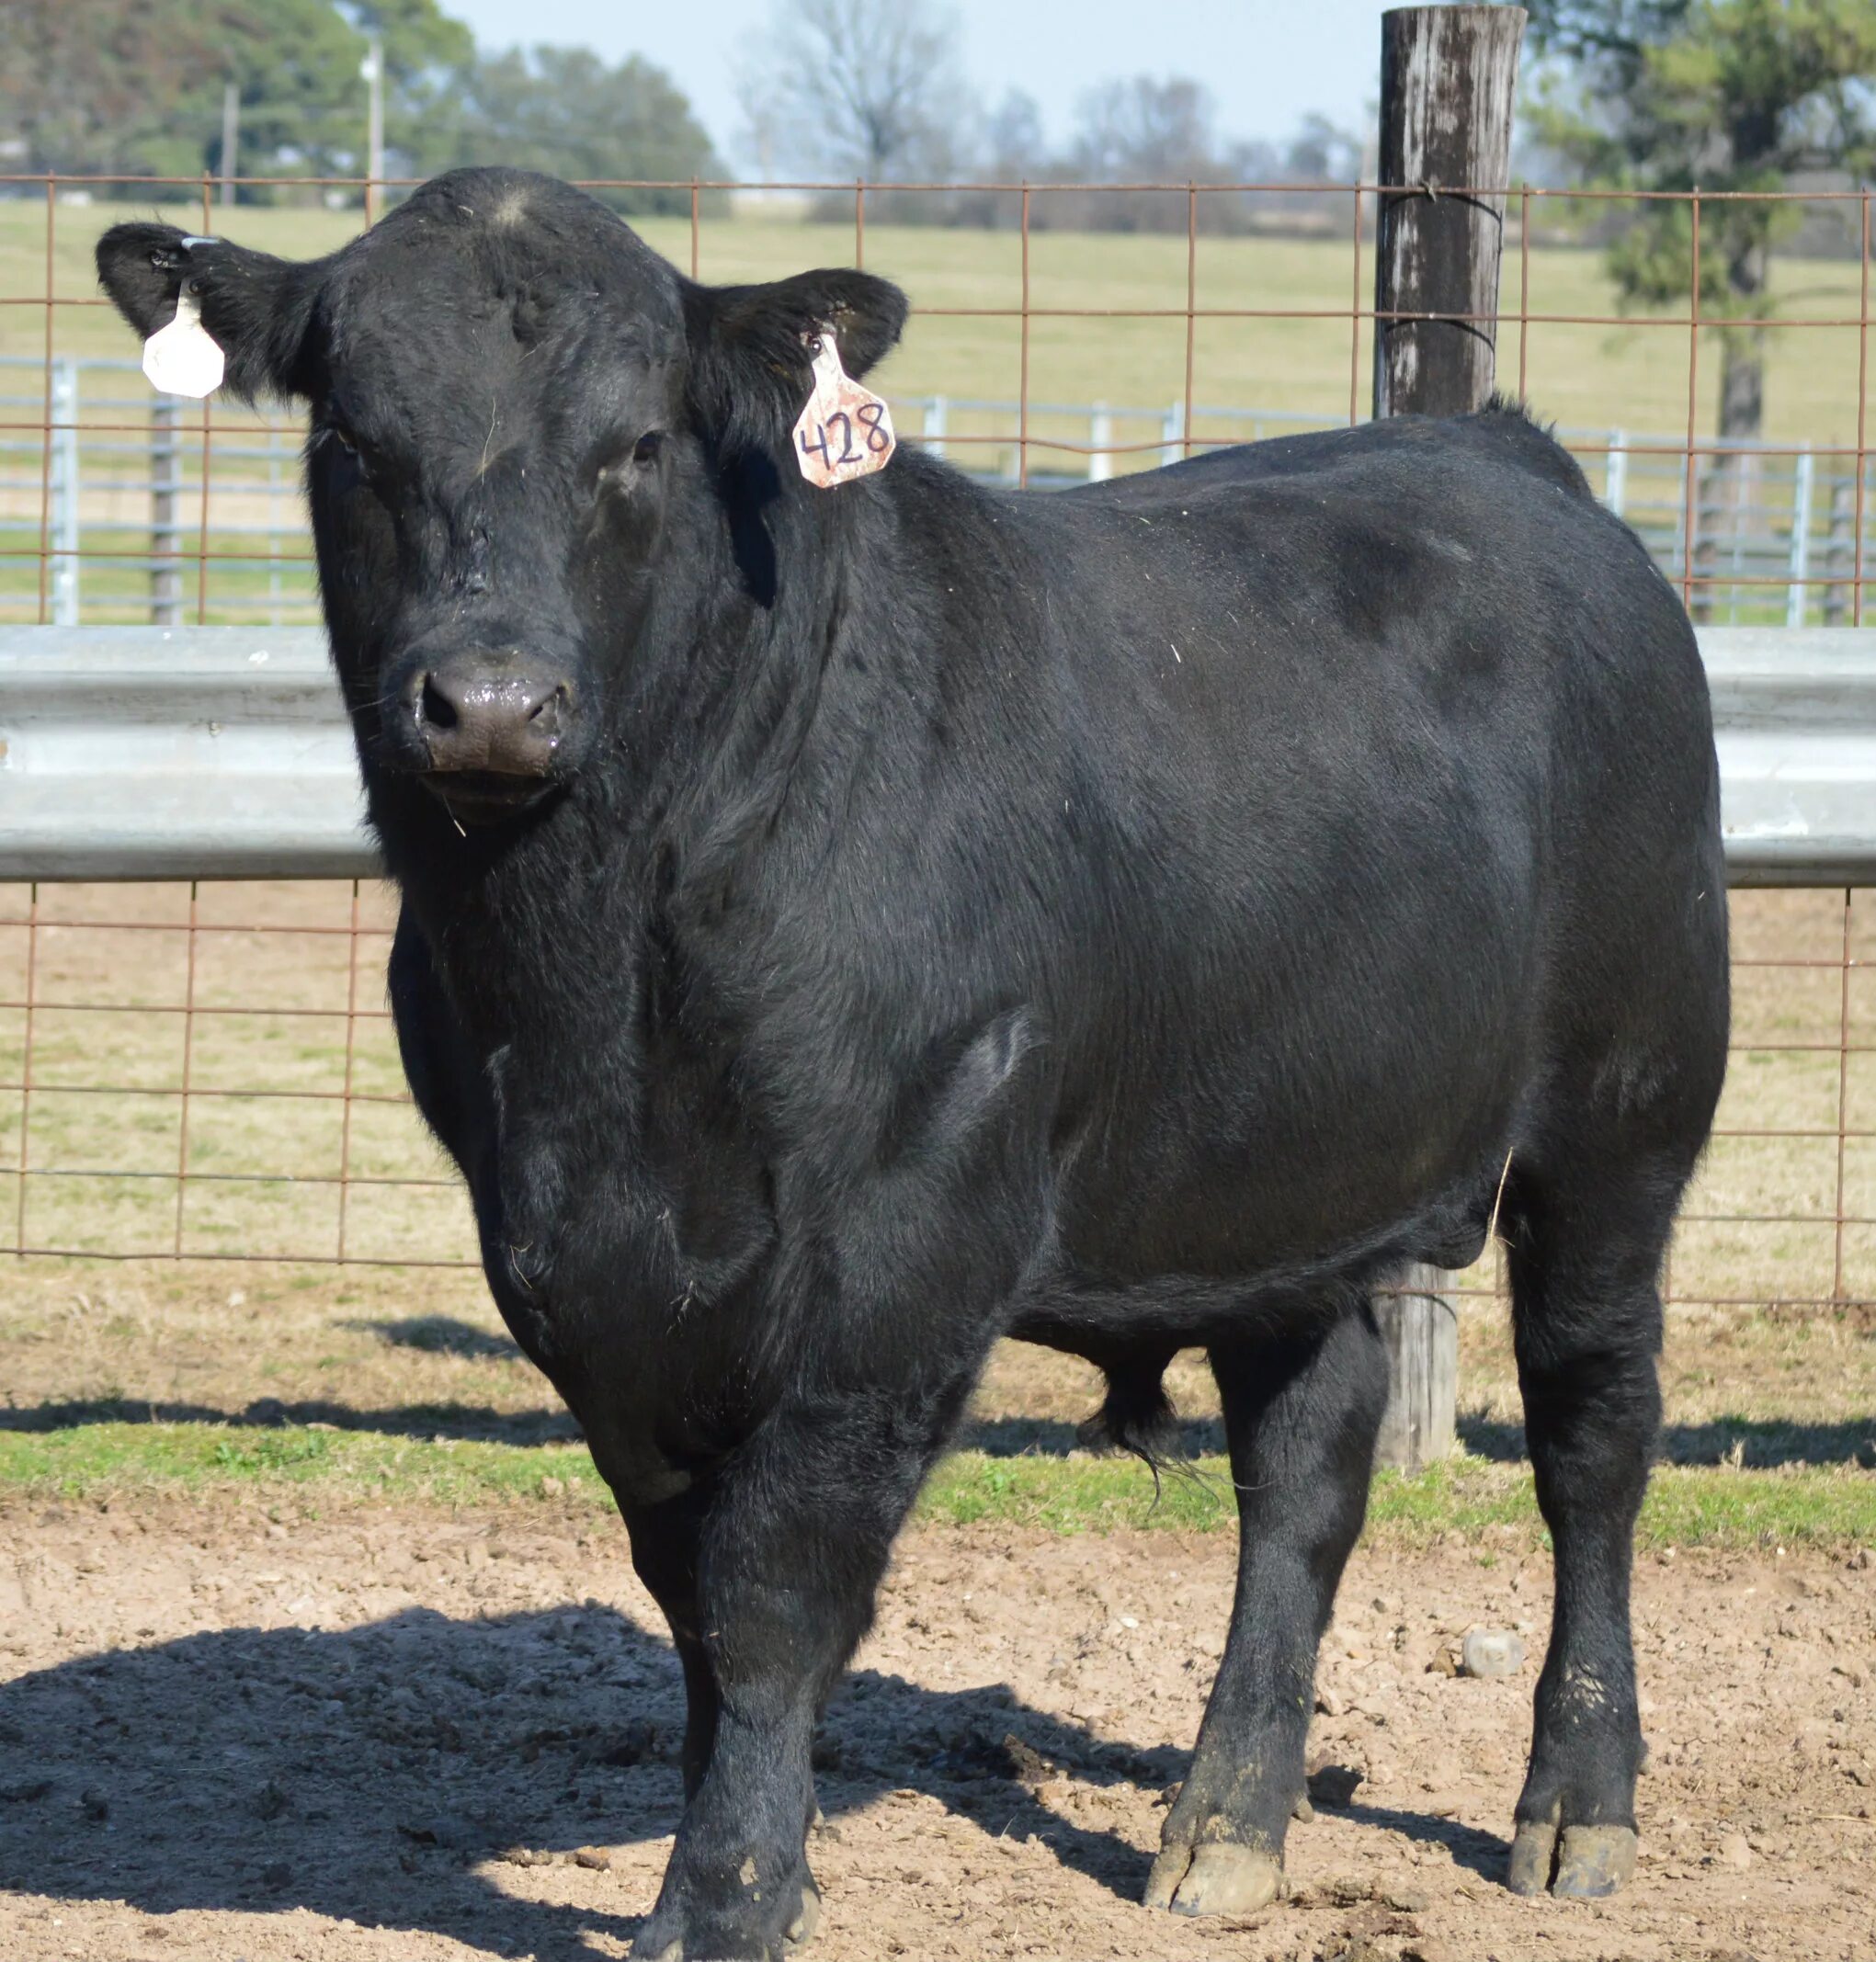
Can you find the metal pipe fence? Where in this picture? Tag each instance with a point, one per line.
(1789, 512)
(203, 1070)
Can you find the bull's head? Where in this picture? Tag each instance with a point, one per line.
(520, 415)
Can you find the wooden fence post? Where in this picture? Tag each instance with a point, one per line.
(1449, 79)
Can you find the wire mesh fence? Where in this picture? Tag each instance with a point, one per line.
(208, 1073)
(1257, 300)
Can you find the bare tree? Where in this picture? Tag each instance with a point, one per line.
(868, 88)
(1148, 130)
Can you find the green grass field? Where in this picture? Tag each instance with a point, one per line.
(1273, 339)
(1632, 376)
(1273, 333)
(334, 1385)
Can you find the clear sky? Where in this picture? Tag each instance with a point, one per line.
(1267, 62)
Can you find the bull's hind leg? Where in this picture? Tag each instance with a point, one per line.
(1588, 1328)
(1301, 1418)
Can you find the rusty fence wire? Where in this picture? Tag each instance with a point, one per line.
(208, 1071)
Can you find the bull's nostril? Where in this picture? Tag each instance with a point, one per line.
(434, 708)
(546, 713)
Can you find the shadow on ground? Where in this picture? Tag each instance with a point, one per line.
(1753, 1442)
(453, 1421)
(443, 1335)
(373, 1774)
(379, 1773)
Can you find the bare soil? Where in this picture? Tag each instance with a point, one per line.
(404, 1733)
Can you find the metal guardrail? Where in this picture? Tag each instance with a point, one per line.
(176, 752)
(1794, 720)
(143, 752)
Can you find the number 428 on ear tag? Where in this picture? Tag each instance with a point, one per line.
(846, 431)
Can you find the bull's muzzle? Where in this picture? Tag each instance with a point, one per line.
(493, 730)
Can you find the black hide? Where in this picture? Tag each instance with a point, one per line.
(1133, 918)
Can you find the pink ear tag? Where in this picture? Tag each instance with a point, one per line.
(846, 431)
(181, 358)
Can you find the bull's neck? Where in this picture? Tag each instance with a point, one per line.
(711, 758)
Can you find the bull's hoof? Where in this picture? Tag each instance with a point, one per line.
(1581, 1862)
(706, 1939)
(1215, 1878)
(801, 1929)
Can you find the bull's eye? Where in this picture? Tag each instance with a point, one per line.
(348, 449)
(644, 452)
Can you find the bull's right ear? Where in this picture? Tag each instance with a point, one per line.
(258, 310)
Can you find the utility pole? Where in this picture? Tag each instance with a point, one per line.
(230, 137)
(374, 132)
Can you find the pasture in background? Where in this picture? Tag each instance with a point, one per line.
(1053, 355)
(210, 1073)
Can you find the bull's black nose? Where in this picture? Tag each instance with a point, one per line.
(501, 718)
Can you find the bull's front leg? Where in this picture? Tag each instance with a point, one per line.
(793, 1540)
(793, 1529)
(665, 1547)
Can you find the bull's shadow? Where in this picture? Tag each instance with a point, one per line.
(457, 1422)
(368, 1774)
(1755, 1443)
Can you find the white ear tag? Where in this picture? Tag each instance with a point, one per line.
(181, 358)
(846, 431)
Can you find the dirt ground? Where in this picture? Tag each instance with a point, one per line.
(400, 1733)
(385, 1731)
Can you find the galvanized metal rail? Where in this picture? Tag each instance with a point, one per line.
(142, 752)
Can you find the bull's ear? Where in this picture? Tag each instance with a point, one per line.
(751, 347)
(258, 310)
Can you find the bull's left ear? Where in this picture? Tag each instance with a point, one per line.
(751, 347)
(257, 309)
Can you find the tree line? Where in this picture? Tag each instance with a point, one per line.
(152, 87)
(843, 88)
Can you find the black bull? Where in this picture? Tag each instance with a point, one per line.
(843, 927)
